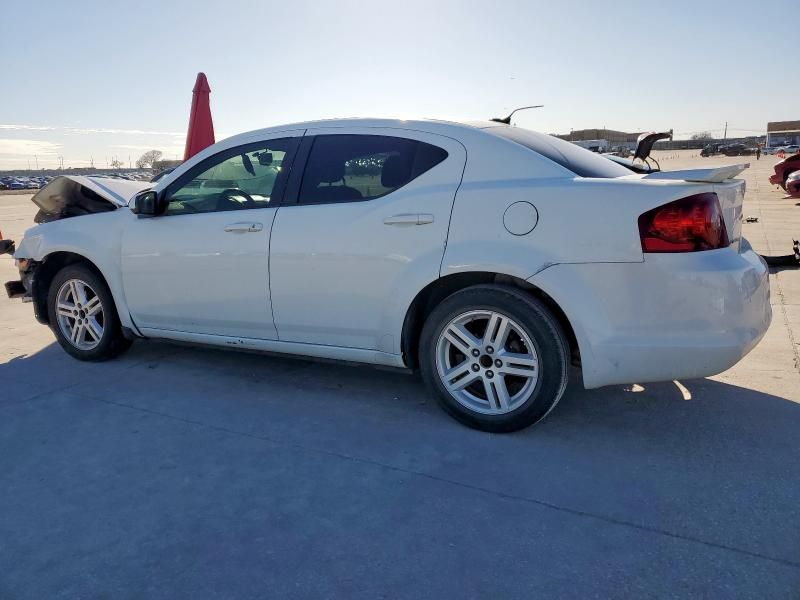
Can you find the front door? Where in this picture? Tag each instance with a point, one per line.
(203, 266)
(363, 232)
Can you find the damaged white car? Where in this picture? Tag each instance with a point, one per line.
(488, 257)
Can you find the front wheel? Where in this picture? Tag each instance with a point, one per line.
(495, 357)
(83, 316)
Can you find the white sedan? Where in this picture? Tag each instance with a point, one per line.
(489, 257)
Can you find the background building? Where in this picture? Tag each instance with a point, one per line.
(783, 133)
(612, 137)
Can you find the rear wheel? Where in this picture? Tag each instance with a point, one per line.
(83, 316)
(495, 357)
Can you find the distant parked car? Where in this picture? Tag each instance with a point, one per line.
(16, 185)
(621, 151)
(768, 150)
(784, 168)
(163, 173)
(710, 150)
(736, 150)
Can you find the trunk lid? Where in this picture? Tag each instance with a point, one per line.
(711, 175)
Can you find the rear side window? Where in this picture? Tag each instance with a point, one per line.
(580, 161)
(349, 168)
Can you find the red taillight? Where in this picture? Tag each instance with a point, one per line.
(690, 224)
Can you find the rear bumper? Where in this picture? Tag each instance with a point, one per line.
(673, 316)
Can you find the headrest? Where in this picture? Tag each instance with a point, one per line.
(329, 172)
(396, 171)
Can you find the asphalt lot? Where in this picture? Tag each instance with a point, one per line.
(183, 472)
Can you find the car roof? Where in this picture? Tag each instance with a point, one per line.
(441, 126)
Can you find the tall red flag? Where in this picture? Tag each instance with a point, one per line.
(201, 127)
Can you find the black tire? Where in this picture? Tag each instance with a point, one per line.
(112, 342)
(538, 323)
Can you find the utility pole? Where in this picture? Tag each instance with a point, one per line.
(725, 135)
(36, 158)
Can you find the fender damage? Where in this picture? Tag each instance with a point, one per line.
(65, 197)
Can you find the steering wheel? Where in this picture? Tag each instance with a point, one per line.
(230, 193)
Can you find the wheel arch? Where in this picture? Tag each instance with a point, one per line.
(436, 291)
(48, 267)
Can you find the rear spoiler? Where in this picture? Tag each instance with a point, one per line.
(717, 175)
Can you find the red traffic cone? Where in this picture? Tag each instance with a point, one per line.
(201, 127)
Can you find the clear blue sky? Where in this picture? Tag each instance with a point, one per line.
(127, 69)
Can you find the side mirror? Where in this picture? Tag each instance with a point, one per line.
(148, 204)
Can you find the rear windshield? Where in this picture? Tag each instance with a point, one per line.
(580, 161)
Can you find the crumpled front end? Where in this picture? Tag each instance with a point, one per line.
(73, 196)
(23, 287)
(64, 197)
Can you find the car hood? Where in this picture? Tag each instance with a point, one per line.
(645, 142)
(74, 195)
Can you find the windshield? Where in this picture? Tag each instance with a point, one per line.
(580, 161)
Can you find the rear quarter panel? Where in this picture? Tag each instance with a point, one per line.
(580, 220)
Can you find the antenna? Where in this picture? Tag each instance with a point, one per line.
(507, 120)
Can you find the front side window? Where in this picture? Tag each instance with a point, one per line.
(240, 178)
(348, 168)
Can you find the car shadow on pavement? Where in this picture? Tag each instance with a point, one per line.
(701, 405)
(191, 381)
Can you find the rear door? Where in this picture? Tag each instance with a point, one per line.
(360, 233)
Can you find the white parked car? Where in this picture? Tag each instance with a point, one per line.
(487, 256)
(788, 150)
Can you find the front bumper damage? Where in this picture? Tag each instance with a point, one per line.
(14, 289)
(23, 287)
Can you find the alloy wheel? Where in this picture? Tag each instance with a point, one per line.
(487, 362)
(80, 314)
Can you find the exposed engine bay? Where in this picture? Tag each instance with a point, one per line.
(73, 196)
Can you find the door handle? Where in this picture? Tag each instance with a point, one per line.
(409, 219)
(243, 227)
